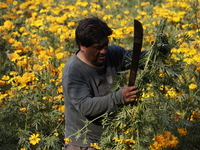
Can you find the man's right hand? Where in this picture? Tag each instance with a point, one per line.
(129, 93)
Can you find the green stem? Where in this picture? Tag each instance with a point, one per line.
(86, 125)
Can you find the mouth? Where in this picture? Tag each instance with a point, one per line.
(102, 57)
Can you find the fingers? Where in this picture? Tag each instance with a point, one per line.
(129, 93)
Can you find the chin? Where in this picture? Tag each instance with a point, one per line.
(99, 64)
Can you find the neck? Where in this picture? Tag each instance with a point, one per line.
(81, 56)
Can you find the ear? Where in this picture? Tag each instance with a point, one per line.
(82, 48)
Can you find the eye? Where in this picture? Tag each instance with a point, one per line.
(101, 47)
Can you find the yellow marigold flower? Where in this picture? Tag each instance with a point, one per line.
(176, 19)
(56, 134)
(116, 3)
(34, 139)
(3, 5)
(142, 12)
(22, 29)
(108, 6)
(171, 93)
(130, 141)
(60, 89)
(61, 118)
(15, 2)
(118, 16)
(189, 60)
(2, 96)
(85, 13)
(71, 24)
(37, 67)
(192, 86)
(95, 145)
(8, 25)
(79, 3)
(5, 77)
(13, 73)
(22, 149)
(107, 17)
(61, 108)
(11, 40)
(144, 4)
(60, 55)
(22, 63)
(126, 12)
(182, 131)
(67, 140)
(37, 23)
(93, 10)
(23, 109)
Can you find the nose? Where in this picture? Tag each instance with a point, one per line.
(103, 50)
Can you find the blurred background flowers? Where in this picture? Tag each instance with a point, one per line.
(37, 38)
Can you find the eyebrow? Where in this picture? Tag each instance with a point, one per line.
(100, 46)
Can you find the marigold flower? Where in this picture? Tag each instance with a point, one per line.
(34, 139)
(60, 55)
(61, 108)
(108, 6)
(3, 5)
(192, 86)
(144, 4)
(9, 1)
(13, 73)
(15, 2)
(126, 12)
(23, 109)
(83, 4)
(164, 140)
(5, 77)
(198, 69)
(95, 145)
(84, 12)
(56, 134)
(2, 83)
(182, 131)
(116, 3)
(67, 140)
(8, 25)
(70, 24)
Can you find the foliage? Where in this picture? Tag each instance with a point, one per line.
(37, 38)
(162, 116)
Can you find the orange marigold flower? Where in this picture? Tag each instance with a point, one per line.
(182, 131)
(67, 140)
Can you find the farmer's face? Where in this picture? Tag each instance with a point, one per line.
(95, 54)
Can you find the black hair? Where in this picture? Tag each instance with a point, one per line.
(92, 31)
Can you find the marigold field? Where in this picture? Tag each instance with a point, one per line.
(37, 38)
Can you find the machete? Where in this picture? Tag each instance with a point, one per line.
(137, 45)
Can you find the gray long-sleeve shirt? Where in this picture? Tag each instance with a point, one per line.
(87, 92)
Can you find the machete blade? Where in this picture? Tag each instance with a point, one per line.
(137, 45)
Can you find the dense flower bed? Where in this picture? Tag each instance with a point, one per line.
(37, 38)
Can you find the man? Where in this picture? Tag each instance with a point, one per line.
(87, 80)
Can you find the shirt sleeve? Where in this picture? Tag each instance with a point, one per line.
(123, 57)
